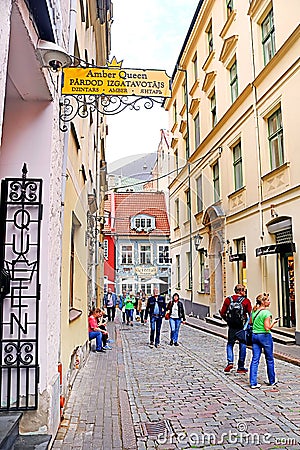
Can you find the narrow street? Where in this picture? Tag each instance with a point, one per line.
(135, 397)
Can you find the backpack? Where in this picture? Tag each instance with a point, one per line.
(235, 313)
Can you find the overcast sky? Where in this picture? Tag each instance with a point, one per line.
(145, 35)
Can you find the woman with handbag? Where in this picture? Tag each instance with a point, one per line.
(262, 340)
(176, 316)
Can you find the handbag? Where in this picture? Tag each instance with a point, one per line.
(244, 336)
(167, 316)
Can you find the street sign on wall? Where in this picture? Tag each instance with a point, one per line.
(115, 81)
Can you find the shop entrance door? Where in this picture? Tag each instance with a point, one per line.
(288, 312)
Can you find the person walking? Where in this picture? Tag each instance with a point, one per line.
(110, 302)
(156, 309)
(129, 308)
(143, 305)
(235, 310)
(175, 313)
(262, 324)
(122, 305)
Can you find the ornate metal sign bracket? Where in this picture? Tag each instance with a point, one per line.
(82, 105)
(109, 90)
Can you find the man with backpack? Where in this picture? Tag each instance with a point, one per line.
(234, 311)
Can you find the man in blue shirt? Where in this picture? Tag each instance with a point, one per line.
(110, 302)
(156, 309)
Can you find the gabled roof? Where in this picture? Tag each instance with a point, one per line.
(124, 206)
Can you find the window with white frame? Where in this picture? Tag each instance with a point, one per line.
(197, 130)
(216, 181)
(177, 213)
(178, 272)
(145, 254)
(199, 194)
(126, 254)
(163, 254)
(275, 137)
(189, 267)
(210, 41)
(233, 81)
(213, 108)
(237, 166)
(105, 249)
(142, 222)
(188, 204)
(146, 288)
(268, 37)
(202, 271)
(195, 67)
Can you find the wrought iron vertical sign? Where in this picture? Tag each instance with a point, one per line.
(21, 214)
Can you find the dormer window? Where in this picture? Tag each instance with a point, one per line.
(143, 222)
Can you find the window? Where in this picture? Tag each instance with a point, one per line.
(216, 181)
(276, 139)
(188, 204)
(163, 254)
(177, 212)
(268, 37)
(142, 223)
(145, 254)
(202, 272)
(197, 130)
(229, 7)
(210, 38)
(105, 249)
(72, 269)
(146, 288)
(187, 148)
(237, 166)
(176, 160)
(241, 265)
(233, 82)
(213, 109)
(195, 67)
(175, 112)
(199, 194)
(126, 254)
(184, 93)
(178, 278)
(189, 266)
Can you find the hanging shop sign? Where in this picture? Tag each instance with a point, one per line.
(144, 271)
(114, 80)
(237, 257)
(288, 247)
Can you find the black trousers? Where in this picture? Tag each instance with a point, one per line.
(111, 312)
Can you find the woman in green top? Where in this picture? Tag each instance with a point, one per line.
(262, 324)
(129, 308)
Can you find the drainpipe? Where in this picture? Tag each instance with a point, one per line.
(258, 147)
(189, 183)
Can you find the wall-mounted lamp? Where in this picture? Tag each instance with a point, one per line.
(197, 241)
(273, 211)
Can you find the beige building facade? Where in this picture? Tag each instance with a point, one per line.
(234, 199)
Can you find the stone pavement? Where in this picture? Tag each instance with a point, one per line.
(134, 397)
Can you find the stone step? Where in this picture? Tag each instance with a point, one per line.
(10, 439)
(9, 429)
(216, 321)
(32, 442)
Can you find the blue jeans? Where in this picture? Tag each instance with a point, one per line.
(155, 326)
(229, 349)
(262, 341)
(174, 326)
(98, 336)
(129, 315)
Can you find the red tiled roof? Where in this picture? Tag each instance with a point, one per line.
(130, 204)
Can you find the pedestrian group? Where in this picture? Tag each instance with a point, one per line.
(236, 311)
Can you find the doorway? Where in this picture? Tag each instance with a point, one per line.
(288, 310)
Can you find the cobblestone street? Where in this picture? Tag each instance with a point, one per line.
(179, 397)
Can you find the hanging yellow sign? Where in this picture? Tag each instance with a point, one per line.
(115, 81)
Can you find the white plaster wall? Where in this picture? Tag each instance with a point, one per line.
(4, 39)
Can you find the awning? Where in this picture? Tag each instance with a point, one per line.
(288, 247)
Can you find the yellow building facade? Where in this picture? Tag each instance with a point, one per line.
(234, 199)
(84, 188)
